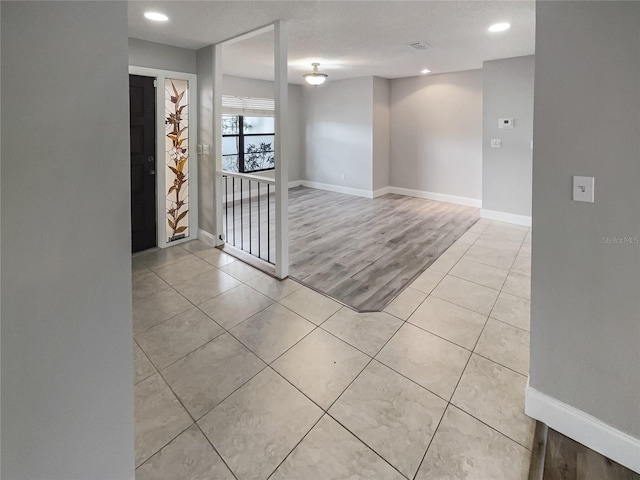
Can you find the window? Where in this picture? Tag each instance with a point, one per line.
(247, 143)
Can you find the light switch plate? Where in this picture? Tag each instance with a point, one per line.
(505, 123)
(583, 189)
(205, 149)
(496, 143)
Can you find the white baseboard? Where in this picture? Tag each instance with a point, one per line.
(439, 197)
(506, 217)
(207, 238)
(338, 189)
(381, 191)
(583, 428)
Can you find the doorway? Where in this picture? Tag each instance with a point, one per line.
(142, 117)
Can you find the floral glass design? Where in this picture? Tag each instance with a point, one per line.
(177, 157)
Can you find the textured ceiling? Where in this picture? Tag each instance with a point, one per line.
(348, 38)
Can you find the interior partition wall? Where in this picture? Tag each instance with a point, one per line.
(271, 253)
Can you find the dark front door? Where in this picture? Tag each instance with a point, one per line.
(142, 113)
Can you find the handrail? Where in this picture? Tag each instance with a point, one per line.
(247, 176)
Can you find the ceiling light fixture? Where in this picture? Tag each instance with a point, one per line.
(424, 71)
(315, 78)
(156, 16)
(499, 27)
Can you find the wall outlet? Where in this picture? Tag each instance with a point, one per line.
(205, 149)
(583, 189)
(496, 143)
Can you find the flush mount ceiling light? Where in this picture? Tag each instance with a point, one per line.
(499, 27)
(315, 78)
(424, 71)
(156, 16)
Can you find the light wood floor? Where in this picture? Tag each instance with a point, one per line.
(360, 251)
(364, 252)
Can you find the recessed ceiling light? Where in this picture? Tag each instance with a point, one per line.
(424, 71)
(156, 16)
(499, 27)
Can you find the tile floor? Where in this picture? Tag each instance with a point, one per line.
(240, 376)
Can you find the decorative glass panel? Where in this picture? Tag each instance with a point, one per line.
(177, 157)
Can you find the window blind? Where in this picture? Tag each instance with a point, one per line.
(248, 106)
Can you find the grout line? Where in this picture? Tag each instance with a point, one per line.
(371, 359)
(491, 427)
(502, 365)
(278, 356)
(451, 398)
(435, 431)
(365, 443)
(191, 351)
(230, 394)
(216, 450)
(166, 444)
(478, 283)
(448, 404)
(440, 336)
(509, 324)
(296, 445)
(176, 397)
(148, 359)
(298, 389)
(413, 381)
(307, 319)
(365, 367)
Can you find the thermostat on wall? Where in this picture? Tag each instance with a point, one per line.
(505, 123)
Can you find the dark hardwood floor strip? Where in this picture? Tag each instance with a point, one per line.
(538, 452)
(566, 459)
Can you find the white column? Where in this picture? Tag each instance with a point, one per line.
(281, 150)
(217, 140)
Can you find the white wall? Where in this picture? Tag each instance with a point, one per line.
(67, 367)
(381, 131)
(436, 134)
(247, 87)
(507, 171)
(339, 126)
(160, 56)
(585, 310)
